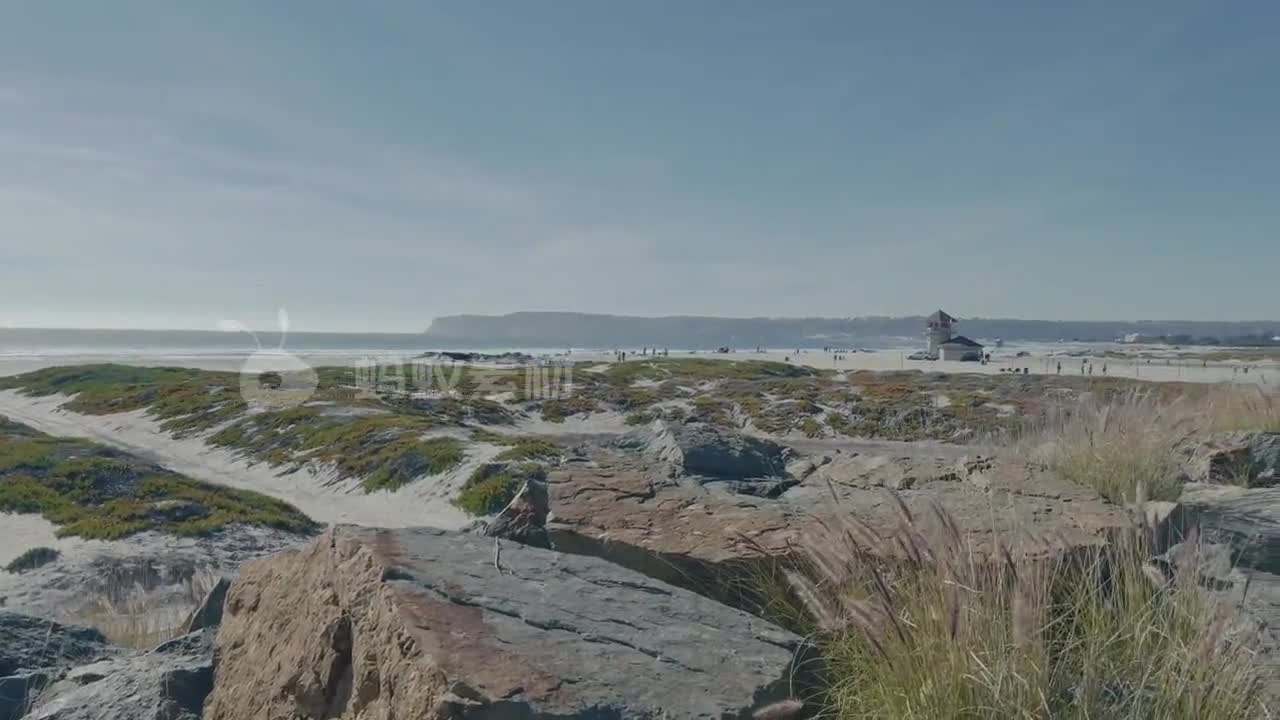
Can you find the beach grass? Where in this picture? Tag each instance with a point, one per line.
(944, 633)
(1127, 445)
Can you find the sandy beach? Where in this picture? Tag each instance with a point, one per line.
(1173, 367)
(1262, 373)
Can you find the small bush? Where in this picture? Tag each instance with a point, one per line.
(32, 559)
(811, 427)
(491, 487)
(530, 449)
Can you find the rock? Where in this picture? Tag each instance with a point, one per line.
(801, 468)
(1160, 516)
(170, 682)
(1235, 458)
(524, 520)
(1252, 597)
(28, 643)
(706, 450)
(19, 690)
(209, 613)
(428, 624)
(35, 652)
(1246, 519)
(628, 512)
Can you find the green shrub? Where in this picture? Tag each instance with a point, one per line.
(811, 427)
(531, 449)
(99, 493)
(492, 486)
(32, 559)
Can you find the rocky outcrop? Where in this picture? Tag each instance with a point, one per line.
(1235, 458)
(35, 653)
(694, 536)
(170, 682)
(1246, 519)
(367, 623)
(698, 449)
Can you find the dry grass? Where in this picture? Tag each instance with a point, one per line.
(138, 618)
(1126, 446)
(1024, 634)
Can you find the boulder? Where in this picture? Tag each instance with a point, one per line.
(1246, 519)
(36, 652)
(1234, 458)
(170, 682)
(709, 451)
(421, 623)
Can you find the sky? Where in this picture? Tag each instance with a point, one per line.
(369, 166)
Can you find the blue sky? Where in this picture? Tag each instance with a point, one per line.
(370, 166)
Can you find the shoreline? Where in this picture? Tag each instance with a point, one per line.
(1261, 373)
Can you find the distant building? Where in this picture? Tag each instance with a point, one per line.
(960, 348)
(939, 330)
(944, 344)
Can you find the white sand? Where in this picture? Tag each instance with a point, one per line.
(1263, 373)
(320, 496)
(20, 533)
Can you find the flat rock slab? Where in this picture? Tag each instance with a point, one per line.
(702, 539)
(422, 623)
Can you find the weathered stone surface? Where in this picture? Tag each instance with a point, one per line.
(1249, 458)
(705, 450)
(1247, 519)
(35, 652)
(367, 623)
(170, 682)
(690, 535)
(209, 613)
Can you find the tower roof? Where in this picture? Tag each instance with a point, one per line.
(940, 316)
(963, 342)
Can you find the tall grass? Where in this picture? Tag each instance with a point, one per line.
(1126, 446)
(942, 632)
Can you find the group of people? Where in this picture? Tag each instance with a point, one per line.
(1086, 367)
(621, 355)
